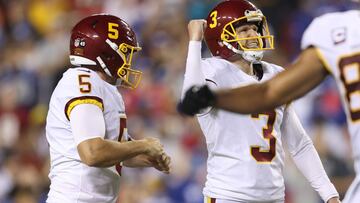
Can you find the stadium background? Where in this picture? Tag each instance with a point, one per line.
(34, 38)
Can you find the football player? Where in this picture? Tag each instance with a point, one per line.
(330, 46)
(86, 121)
(246, 152)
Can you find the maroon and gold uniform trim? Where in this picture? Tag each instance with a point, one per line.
(352, 87)
(82, 100)
(323, 60)
(118, 166)
(210, 200)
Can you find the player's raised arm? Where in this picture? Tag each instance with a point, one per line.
(193, 74)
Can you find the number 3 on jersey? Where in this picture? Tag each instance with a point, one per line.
(265, 155)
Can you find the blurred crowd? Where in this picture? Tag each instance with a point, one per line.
(34, 40)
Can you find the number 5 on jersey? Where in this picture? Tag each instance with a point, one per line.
(84, 84)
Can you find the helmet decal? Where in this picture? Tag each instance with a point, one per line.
(79, 42)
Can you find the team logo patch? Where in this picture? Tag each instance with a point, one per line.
(338, 35)
(79, 42)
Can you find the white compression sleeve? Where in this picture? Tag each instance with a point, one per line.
(305, 155)
(308, 162)
(87, 122)
(193, 74)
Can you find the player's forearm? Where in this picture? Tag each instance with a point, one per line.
(104, 153)
(246, 100)
(137, 161)
(308, 162)
(301, 77)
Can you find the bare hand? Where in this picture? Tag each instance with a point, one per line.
(163, 164)
(154, 149)
(196, 29)
(334, 200)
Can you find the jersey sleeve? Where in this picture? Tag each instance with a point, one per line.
(209, 72)
(293, 132)
(305, 155)
(320, 36)
(196, 71)
(193, 72)
(308, 38)
(87, 122)
(316, 34)
(81, 87)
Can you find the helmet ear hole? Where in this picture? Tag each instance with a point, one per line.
(106, 56)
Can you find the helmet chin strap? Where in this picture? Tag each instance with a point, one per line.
(251, 56)
(254, 57)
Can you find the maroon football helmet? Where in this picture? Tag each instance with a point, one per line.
(105, 43)
(220, 33)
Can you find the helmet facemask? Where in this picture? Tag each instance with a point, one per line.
(264, 40)
(128, 77)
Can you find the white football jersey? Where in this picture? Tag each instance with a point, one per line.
(72, 180)
(245, 152)
(336, 37)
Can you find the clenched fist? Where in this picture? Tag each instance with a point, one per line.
(163, 163)
(154, 148)
(196, 29)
